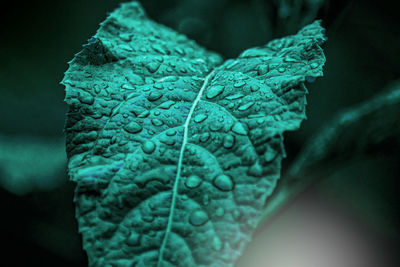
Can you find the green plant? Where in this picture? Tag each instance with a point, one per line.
(173, 150)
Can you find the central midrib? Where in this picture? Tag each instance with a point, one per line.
(178, 173)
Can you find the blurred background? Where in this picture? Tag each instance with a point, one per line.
(350, 214)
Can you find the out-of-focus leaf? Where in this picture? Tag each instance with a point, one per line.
(173, 151)
(371, 127)
(28, 164)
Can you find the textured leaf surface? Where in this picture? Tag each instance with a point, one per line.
(173, 151)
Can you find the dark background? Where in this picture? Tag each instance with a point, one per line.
(38, 38)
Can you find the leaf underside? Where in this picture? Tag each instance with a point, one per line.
(172, 150)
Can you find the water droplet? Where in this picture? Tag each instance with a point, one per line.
(214, 91)
(97, 89)
(220, 212)
(170, 132)
(148, 147)
(254, 88)
(235, 96)
(281, 69)
(193, 181)
(158, 48)
(239, 129)
(200, 117)
(236, 214)
(159, 58)
(127, 86)
(156, 113)
(270, 154)
(133, 239)
(153, 66)
(229, 141)
(206, 200)
(182, 69)
(289, 59)
(166, 104)
(86, 98)
(155, 95)
(262, 69)
(114, 139)
(204, 137)
(133, 127)
(246, 106)
(157, 122)
(144, 114)
(158, 86)
(198, 218)
(256, 170)
(125, 37)
(239, 84)
(214, 126)
(223, 182)
(231, 63)
(179, 50)
(148, 218)
(216, 244)
(167, 140)
(314, 65)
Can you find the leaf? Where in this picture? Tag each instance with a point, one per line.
(173, 151)
(40, 173)
(367, 127)
(371, 128)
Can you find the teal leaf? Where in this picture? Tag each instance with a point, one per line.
(173, 151)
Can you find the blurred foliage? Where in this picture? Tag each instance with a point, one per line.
(349, 155)
(29, 164)
(38, 38)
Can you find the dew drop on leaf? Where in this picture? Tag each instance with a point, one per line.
(239, 129)
(281, 69)
(170, 132)
(193, 181)
(220, 212)
(144, 114)
(214, 91)
(133, 239)
(223, 182)
(216, 244)
(246, 106)
(155, 95)
(153, 66)
(239, 84)
(270, 155)
(314, 65)
(133, 127)
(204, 137)
(200, 117)
(148, 147)
(198, 218)
(206, 199)
(157, 122)
(262, 69)
(229, 141)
